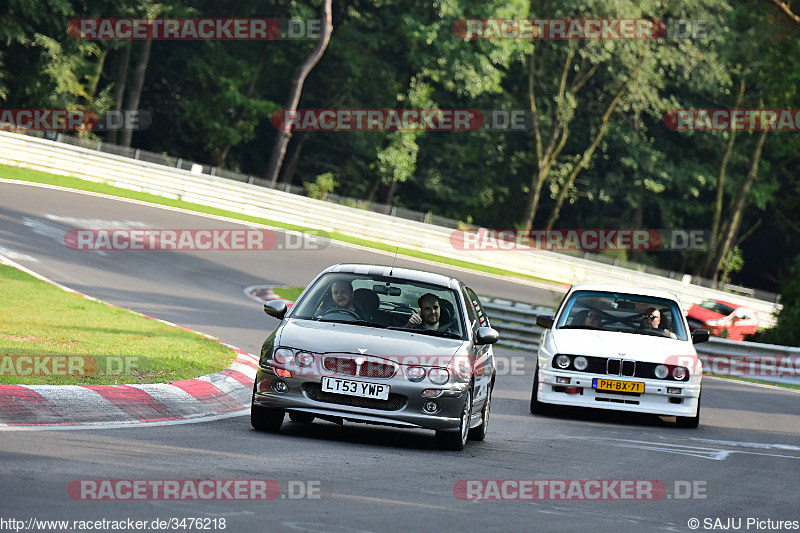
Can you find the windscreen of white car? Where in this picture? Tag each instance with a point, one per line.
(627, 313)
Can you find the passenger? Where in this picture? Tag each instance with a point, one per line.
(651, 318)
(428, 315)
(593, 319)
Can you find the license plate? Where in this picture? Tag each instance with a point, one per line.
(613, 385)
(363, 389)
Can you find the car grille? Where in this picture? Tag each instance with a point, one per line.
(622, 367)
(315, 392)
(348, 367)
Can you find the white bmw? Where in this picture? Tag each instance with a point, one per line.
(620, 348)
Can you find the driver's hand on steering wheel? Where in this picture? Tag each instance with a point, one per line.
(415, 319)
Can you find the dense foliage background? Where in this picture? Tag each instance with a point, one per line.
(600, 155)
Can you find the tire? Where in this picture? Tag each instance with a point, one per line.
(266, 419)
(691, 422)
(538, 407)
(479, 433)
(301, 418)
(456, 440)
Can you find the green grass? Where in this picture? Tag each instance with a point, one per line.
(44, 321)
(289, 293)
(36, 176)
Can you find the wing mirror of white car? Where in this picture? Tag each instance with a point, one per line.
(275, 308)
(546, 321)
(699, 335)
(487, 336)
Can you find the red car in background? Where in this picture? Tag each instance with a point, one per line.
(723, 319)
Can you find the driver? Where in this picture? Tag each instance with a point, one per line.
(342, 296)
(429, 314)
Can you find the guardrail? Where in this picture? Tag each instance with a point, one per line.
(178, 183)
(516, 323)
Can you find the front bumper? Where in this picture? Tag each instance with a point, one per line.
(403, 410)
(654, 400)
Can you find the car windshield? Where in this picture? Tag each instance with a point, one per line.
(628, 313)
(717, 307)
(382, 302)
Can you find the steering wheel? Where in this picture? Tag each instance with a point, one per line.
(342, 310)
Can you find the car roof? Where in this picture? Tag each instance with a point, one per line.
(723, 302)
(626, 289)
(396, 272)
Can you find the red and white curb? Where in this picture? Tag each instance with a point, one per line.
(209, 397)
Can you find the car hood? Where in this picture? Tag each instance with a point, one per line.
(702, 314)
(616, 344)
(398, 346)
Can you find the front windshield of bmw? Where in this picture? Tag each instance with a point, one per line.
(628, 313)
(382, 302)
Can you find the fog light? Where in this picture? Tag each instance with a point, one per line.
(562, 361)
(581, 363)
(572, 390)
(430, 407)
(562, 380)
(431, 393)
(673, 390)
(280, 387)
(661, 371)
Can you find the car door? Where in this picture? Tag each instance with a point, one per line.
(484, 356)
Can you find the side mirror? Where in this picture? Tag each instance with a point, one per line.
(486, 336)
(699, 335)
(275, 308)
(546, 321)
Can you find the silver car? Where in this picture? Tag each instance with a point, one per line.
(379, 345)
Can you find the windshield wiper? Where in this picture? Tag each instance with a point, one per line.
(432, 332)
(354, 322)
(578, 326)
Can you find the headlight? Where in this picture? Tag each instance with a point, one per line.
(438, 376)
(581, 363)
(680, 373)
(304, 359)
(562, 361)
(283, 355)
(661, 372)
(415, 373)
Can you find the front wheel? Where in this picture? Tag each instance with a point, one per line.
(479, 433)
(265, 419)
(691, 422)
(456, 440)
(537, 407)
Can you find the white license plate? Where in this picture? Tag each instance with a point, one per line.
(364, 389)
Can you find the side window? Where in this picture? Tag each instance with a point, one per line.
(472, 315)
(483, 318)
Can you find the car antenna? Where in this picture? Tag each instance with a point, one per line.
(393, 260)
